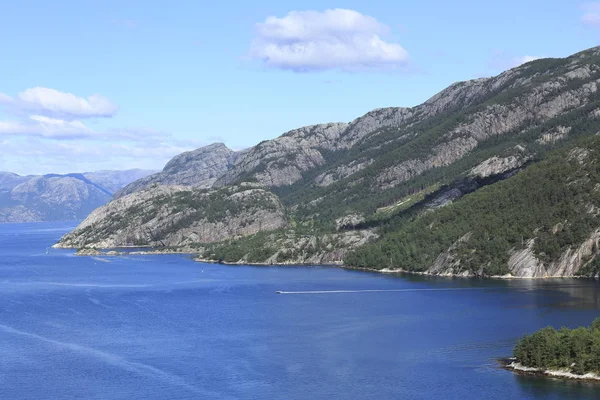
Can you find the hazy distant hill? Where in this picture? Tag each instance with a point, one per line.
(56, 197)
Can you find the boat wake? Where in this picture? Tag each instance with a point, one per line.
(377, 290)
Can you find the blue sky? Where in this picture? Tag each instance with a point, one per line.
(120, 84)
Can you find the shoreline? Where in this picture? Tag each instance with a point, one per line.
(512, 365)
(286, 264)
(337, 264)
(116, 253)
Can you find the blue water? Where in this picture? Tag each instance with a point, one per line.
(164, 327)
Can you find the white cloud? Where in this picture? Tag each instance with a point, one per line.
(45, 127)
(591, 16)
(49, 132)
(54, 103)
(35, 155)
(51, 114)
(58, 129)
(333, 39)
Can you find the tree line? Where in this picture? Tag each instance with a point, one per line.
(575, 350)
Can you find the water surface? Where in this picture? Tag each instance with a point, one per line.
(164, 327)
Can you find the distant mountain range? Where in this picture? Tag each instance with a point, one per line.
(493, 176)
(56, 197)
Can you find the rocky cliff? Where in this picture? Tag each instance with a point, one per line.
(288, 247)
(199, 168)
(177, 216)
(283, 161)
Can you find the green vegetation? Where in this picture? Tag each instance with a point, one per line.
(554, 202)
(296, 245)
(551, 206)
(185, 208)
(256, 249)
(573, 350)
(548, 202)
(407, 202)
(388, 147)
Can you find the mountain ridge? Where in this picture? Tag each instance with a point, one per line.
(52, 197)
(382, 165)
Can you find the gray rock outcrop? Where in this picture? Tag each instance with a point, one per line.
(499, 165)
(284, 160)
(175, 216)
(525, 264)
(198, 168)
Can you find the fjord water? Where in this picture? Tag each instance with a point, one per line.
(165, 327)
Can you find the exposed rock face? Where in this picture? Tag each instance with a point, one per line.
(290, 248)
(376, 120)
(458, 95)
(499, 165)
(524, 263)
(536, 104)
(331, 249)
(448, 263)
(58, 197)
(168, 216)
(443, 155)
(555, 135)
(199, 168)
(348, 221)
(283, 161)
(341, 172)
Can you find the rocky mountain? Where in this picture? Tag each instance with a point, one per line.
(58, 197)
(542, 222)
(394, 166)
(284, 160)
(199, 168)
(169, 216)
(8, 180)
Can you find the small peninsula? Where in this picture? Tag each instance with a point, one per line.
(564, 353)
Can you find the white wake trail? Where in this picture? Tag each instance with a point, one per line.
(378, 290)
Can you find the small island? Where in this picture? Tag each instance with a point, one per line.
(564, 353)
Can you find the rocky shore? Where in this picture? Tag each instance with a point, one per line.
(511, 364)
(194, 252)
(97, 252)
